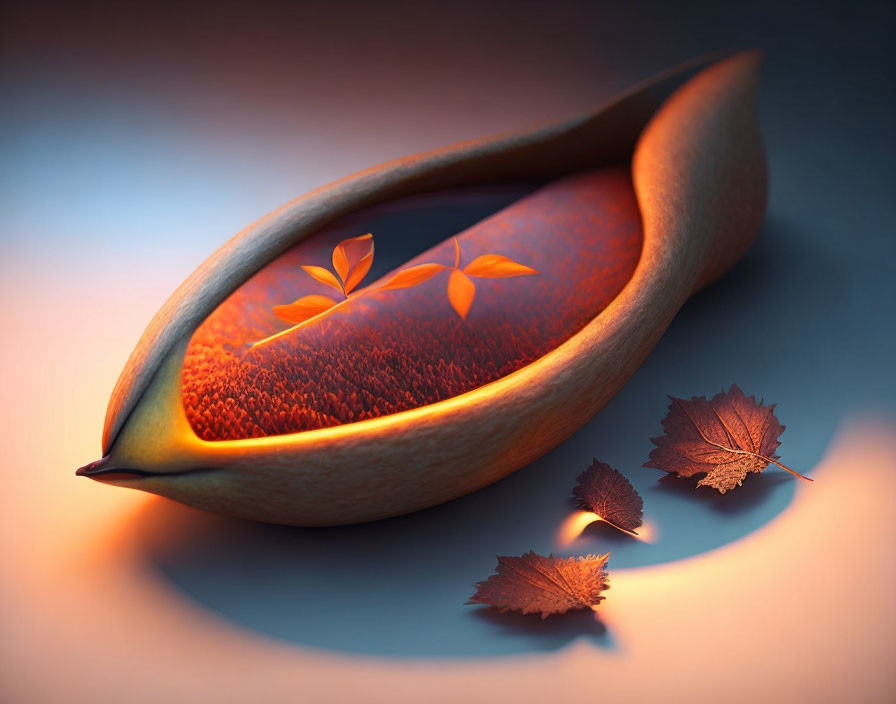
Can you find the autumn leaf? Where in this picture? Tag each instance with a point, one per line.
(412, 276)
(352, 259)
(495, 266)
(606, 492)
(325, 276)
(461, 292)
(547, 585)
(306, 307)
(725, 438)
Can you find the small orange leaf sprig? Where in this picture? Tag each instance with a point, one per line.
(352, 259)
(461, 289)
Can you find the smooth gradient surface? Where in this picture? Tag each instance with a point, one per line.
(129, 155)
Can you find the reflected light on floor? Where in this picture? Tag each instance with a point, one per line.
(573, 526)
(648, 532)
(571, 529)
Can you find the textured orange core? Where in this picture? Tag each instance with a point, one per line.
(388, 351)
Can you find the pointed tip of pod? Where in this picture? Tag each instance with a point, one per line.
(103, 469)
(93, 468)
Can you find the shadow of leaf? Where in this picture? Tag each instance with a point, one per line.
(550, 633)
(755, 489)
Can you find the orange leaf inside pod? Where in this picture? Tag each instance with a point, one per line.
(352, 259)
(398, 342)
(412, 276)
(306, 307)
(325, 276)
(359, 271)
(495, 266)
(461, 292)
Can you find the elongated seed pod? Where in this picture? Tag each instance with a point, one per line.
(240, 442)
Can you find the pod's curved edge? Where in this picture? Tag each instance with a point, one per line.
(605, 136)
(699, 177)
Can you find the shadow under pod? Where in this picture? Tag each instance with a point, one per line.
(397, 587)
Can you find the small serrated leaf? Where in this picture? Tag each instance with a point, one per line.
(534, 583)
(606, 492)
(725, 438)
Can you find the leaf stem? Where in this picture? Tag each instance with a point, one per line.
(355, 296)
(619, 528)
(736, 451)
(276, 335)
(786, 469)
(764, 458)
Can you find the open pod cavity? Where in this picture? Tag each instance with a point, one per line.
(628, 211)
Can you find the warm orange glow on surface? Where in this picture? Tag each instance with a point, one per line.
(647, 532)
(575, 524)
(387, 351)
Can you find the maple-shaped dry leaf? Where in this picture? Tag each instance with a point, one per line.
(325, 276)
(549, 585)
(461, 292)
(725, 438)
(606, 492)
(352, 259)
(306, 307)
(412, 276)
(496, 266)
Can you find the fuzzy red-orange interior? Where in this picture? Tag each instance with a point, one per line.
(393, 350)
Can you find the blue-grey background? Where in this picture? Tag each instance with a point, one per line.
(145, 136)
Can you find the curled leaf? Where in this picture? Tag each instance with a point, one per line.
(306, 307)
(412, 276)
(547, 585)
(606, 492)
(461, 292)
(496, 266)
(351, 254)
(725, 438)
(359, 271)
(325, 276)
